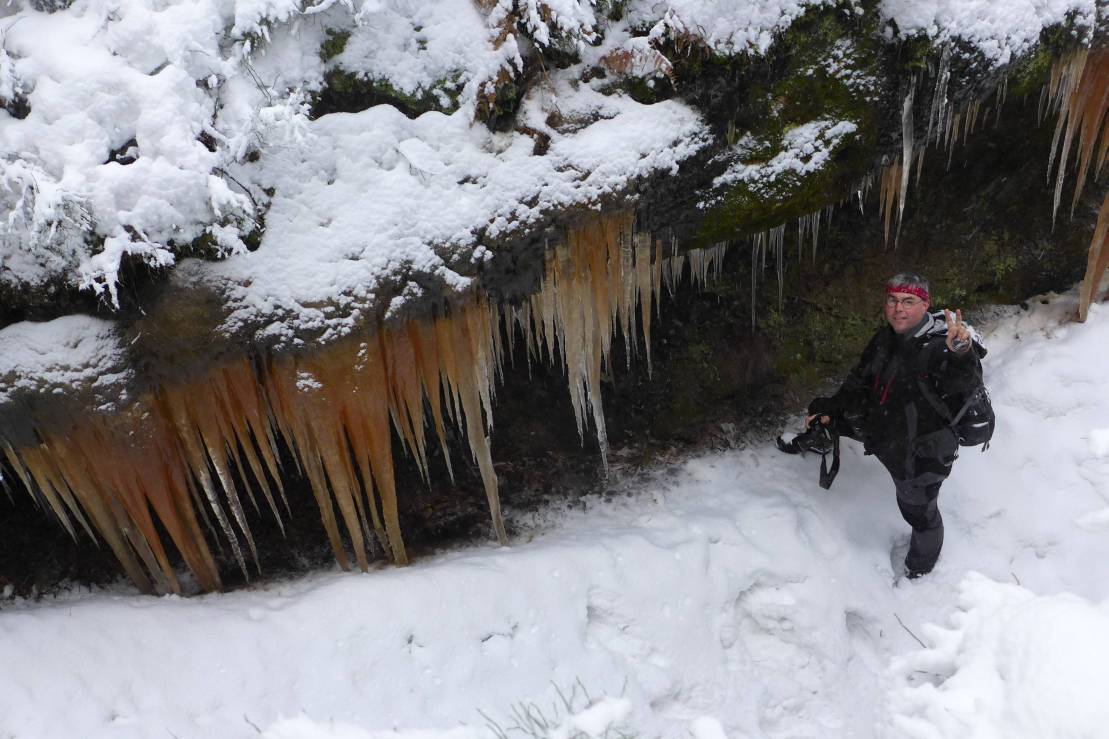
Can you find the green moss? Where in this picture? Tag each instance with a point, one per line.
(746, 209)
(334, 44)
(1027, 75)
(253, 239)
(205, 246)
(347, 92)
(824, 67)
(821, 340)
(648, 91)
(914, 56)
(693, 375)
(612, 9)
(499, 111)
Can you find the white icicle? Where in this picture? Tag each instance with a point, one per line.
(719, 251)
(815, 234)
(906, 155)
(801, 221)
(754, 275)
(939, 97)
(778, 239)
(696, 266)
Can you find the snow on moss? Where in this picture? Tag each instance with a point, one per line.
(726, 27)
(841, 62)
(1000, 30)
(805, 149)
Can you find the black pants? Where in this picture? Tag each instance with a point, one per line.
(916, 497)
(917, 500)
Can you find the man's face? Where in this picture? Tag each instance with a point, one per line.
(904, 310)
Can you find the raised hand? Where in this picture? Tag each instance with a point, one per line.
(958, 334)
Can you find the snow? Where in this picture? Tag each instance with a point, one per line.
(68, 354)
(1011, 664)
(805, 149)
(154, 125)
(841, 61)
(726, 27)
(570, 19)
(417, 45)
(1099, 442)
(724, 596)
(91, 91)
(1000, 30)
(320, 248)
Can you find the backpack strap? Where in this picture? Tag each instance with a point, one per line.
(940, 407)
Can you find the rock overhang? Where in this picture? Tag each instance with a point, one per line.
(373, 219)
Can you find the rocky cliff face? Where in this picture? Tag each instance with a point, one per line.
(305, 287)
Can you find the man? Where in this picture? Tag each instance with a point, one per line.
(891, 401)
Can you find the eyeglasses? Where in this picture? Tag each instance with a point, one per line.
(903, 302)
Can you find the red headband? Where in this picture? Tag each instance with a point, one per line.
(916, 290)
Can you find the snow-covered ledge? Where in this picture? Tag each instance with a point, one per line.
(152, 133)
(160, 133)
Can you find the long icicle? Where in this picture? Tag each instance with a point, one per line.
(906, 156)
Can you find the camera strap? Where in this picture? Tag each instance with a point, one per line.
(828, 474)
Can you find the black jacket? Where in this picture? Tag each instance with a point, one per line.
(882, 402)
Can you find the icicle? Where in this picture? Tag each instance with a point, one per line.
(1079, 91)
(625, 290)
(697, 268)
(644, 284)
(584, 304)
(656, 284)
(954, 137)
(887, 196)
(677, 262)
(947, 128)
(759, 243)
(754, 278)
(802, 222)
(815, 234)
(1000, 94)
(906, 156)
(777, 237)
(939, 96)
(715, 261)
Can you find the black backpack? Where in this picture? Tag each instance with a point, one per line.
(974, 423)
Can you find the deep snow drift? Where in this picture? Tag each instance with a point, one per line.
(726, 596)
